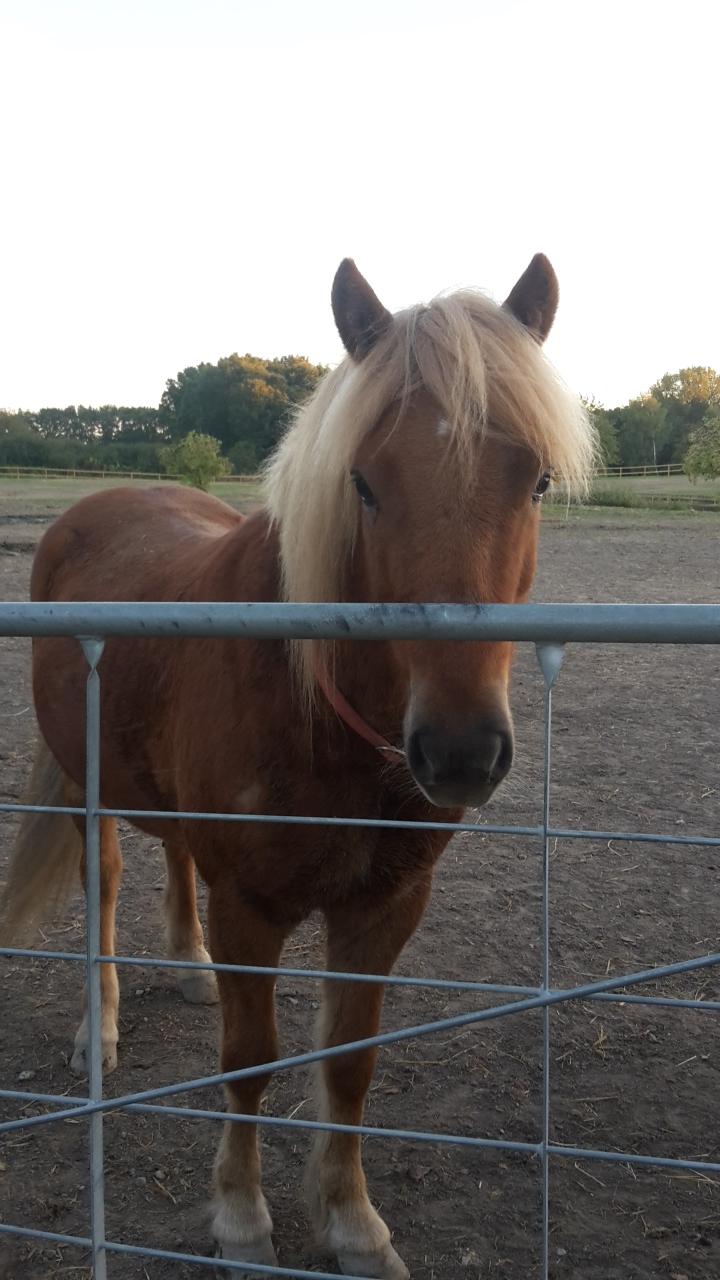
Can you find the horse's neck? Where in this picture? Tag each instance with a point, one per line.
(243, 565)
(247, 567)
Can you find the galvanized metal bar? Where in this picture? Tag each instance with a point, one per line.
(634, 837)
(539, 623)
(51, 1237)
(625, 1157)
(550, 658)
(545, 984)
(460, 1140)
(92, 649)
(384, 1038)
(418, 1136)
(288, 819)
(397, 980)
(217, 1264)
(330, 975)
(168, 1255)
(392, 824)
(327, 1126)
(54, 1099)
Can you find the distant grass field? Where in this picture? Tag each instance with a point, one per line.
(655, 490)
(599, 514)
(659, 484)
(634, 498)
(32, 497)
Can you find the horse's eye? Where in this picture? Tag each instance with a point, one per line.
(542, 486)
(365, 493)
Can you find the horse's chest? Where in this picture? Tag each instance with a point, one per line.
(310, 864)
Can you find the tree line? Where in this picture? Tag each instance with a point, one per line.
(244, 402)
(665, 424)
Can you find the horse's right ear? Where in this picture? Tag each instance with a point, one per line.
(534, 299)
(359, 314)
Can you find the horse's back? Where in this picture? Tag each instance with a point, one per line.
(168, 543)
(129, 544)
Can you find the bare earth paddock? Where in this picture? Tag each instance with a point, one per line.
(636, 746)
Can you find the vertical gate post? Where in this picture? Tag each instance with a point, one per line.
(550, 658)
(92, 649)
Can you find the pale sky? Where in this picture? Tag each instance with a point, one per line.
(182, 177)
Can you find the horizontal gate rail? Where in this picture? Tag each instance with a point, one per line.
(550, 627)
(542, 999)
(472, 828)
(541, 623)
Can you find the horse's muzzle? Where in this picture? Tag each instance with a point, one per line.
(459, 769)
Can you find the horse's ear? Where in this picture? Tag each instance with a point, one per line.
(359, 314)
(534, 299)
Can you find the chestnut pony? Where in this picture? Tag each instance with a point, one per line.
(414, 473)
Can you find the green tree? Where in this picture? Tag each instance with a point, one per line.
(641, 429)
(688, 386)
(20, 444)
(241, 399)
(703, 455)
(196, 459)
(62, 424)
(244, 458)
(686, 397)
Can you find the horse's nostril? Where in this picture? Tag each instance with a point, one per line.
(436, 757)
(487, 758)
(505, 759)
(420, 754)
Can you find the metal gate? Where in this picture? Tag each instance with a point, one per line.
(550, 627)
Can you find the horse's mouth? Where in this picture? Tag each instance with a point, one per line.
(459, 795)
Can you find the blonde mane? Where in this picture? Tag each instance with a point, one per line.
(479, 363)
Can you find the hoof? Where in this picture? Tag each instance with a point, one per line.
(79, 1064)
(198, 986)
(386, 1265)
(262, 1254)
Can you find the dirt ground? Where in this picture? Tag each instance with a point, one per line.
(637, 744)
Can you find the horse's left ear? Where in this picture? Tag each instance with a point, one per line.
(359, 314)
(534, 299)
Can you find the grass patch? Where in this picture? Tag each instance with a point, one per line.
(38, 496)
(615, 497)
(557, 513)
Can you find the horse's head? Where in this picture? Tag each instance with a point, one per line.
(437, 439)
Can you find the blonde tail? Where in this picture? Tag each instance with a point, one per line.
(46, 858)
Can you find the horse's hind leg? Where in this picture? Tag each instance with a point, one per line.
(184, 930)
(110, 874)
(240, 934)
(363, 940)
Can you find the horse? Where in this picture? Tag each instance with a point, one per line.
(414, 473)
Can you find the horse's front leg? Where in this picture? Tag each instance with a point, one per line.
(363, 937)
(240, 934)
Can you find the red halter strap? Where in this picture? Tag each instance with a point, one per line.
(342, 707)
